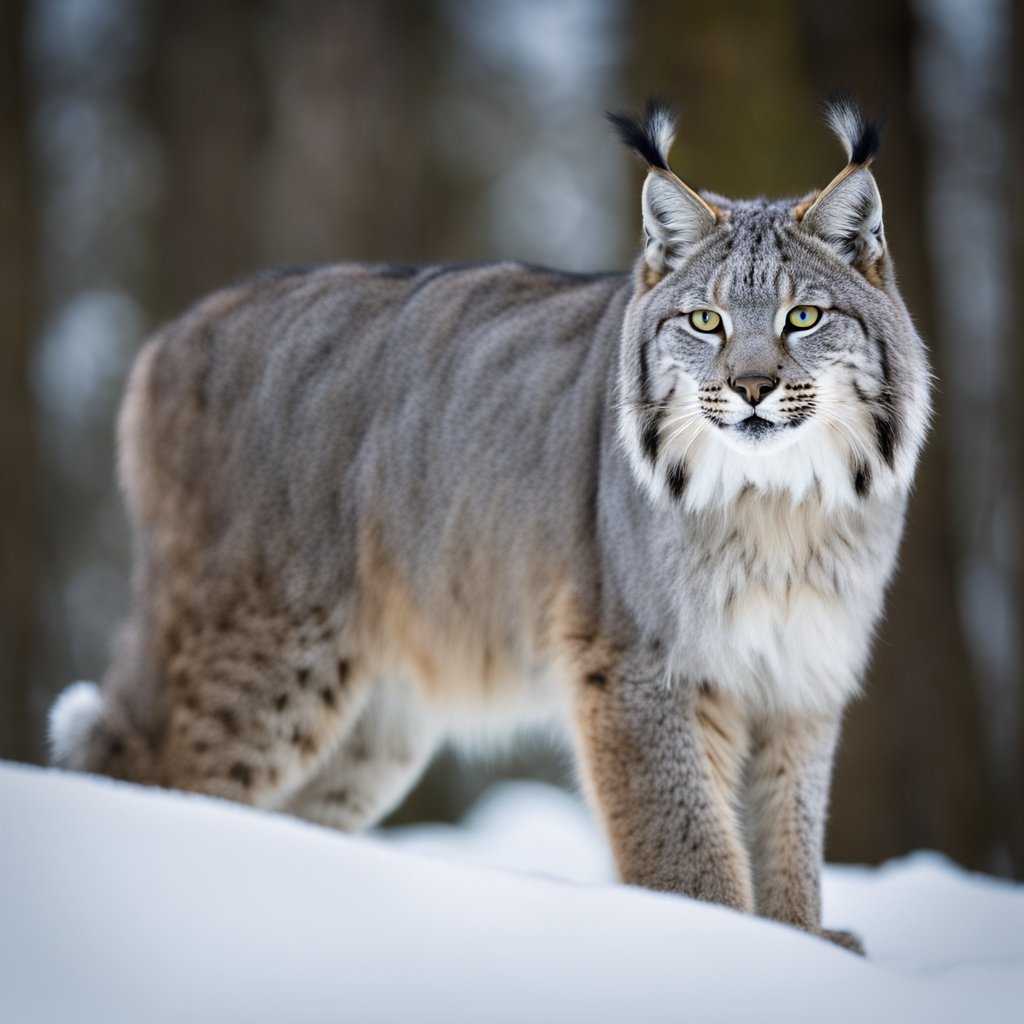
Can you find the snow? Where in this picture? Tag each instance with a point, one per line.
(119, 903)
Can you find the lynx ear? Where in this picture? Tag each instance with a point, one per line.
(675, 216)
(675, 219)
(847, 213)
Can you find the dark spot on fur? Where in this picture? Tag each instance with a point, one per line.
(885, 435)
(303, 741)
(327, 696)
(228, 720)
(862, 480)
(396, 270)
(241, 773)
(597, 679)
(359, 751)
(649, 438)
(223, 624)
(281, 702)
(200, 746)
(116, 748)
(643, 385)
(677, 480)
(191, 702)
(302, 676)
(275, 274)
(337, 796)
(343, 671)
(273, 776)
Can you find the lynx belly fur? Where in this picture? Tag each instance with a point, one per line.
(381, 507)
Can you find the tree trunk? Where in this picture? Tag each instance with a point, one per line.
(17, 524)
(349, 173)
(1015, 174)
(912, 771)
(210, 112)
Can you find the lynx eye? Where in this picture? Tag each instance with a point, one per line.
(802, 317)
(706, 320)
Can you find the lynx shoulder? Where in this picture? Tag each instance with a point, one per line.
(377, 507)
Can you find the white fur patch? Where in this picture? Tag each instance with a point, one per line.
(72, 719)
(800, 651)
(784, 615)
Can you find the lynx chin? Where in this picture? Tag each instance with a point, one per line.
(378, 507)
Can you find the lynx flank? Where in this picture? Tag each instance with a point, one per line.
(381, 507)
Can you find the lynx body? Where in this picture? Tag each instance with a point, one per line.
(377, 507)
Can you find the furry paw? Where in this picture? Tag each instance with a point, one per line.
(845, 939)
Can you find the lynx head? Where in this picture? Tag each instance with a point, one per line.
(766, 344)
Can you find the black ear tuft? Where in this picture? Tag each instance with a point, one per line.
(860, 137)
(651, 135)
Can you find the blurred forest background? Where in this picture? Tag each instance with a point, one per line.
(152, 150)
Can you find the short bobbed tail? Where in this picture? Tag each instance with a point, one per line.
(86, 735)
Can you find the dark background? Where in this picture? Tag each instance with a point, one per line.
(152, 150)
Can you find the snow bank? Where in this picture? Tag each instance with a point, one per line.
(124, 904)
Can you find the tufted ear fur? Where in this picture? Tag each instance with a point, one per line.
(675, 216)
(847, 213)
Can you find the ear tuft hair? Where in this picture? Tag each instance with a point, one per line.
(859, 136)
(651, 135)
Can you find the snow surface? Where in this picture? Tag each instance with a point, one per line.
(119, 903)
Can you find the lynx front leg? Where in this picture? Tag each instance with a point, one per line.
(662, 763)
(789, 775)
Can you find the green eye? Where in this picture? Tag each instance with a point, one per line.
(802, 317)
(706, 320)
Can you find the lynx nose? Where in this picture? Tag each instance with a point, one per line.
(753, 389)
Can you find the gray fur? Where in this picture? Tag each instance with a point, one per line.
(379, 506)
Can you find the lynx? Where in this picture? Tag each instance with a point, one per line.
(381, 507)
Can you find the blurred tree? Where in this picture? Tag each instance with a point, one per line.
(292, 131)
(210, 113)
(911, 771)
(17, 523)
(350, 171)
(738, 70)
(1015, 124)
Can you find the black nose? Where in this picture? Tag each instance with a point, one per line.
(753, 389)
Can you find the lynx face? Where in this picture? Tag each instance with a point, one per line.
(771, 349)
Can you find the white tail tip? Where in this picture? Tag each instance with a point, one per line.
(73, 718)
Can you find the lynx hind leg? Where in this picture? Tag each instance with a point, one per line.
(376, 765)
(256, 705)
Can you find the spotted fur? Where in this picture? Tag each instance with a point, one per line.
(377, 507)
